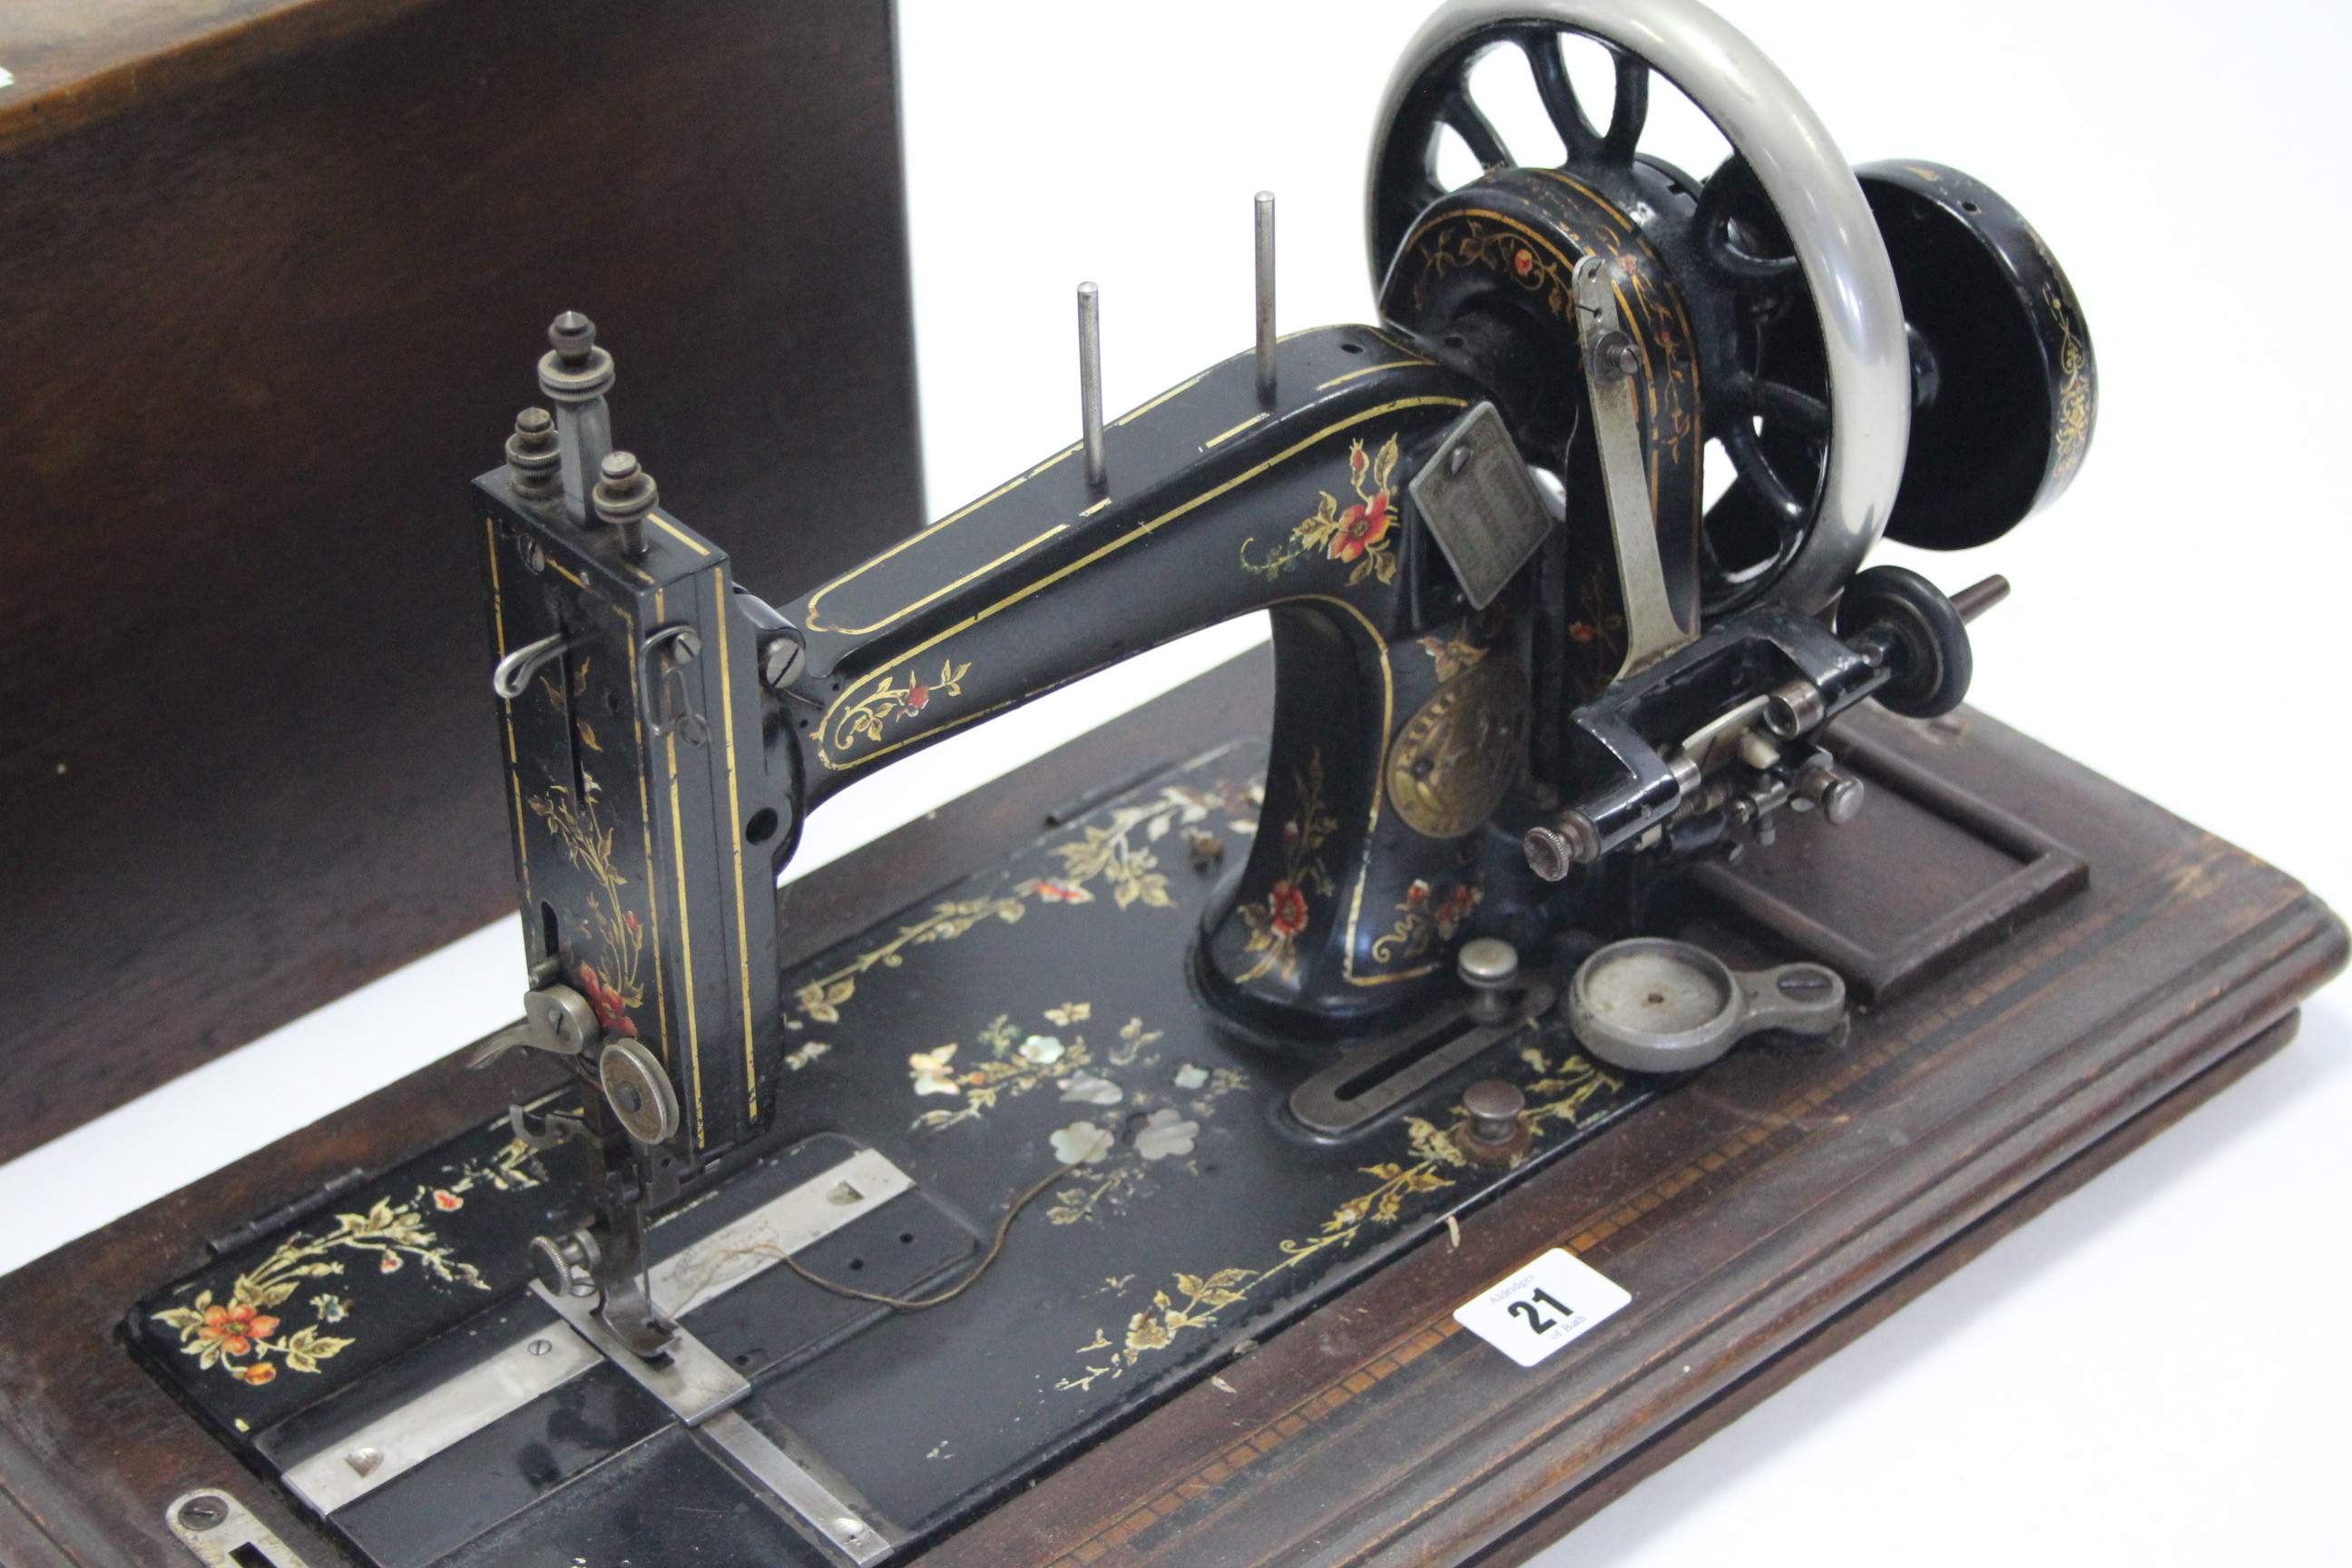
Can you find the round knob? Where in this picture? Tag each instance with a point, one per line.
(1489, 960)
(561, 1020)
(574, 335)
(565, 1265)
(638, 1090)
(1553, 852)
(575, 371)
(1837, 793)
(533, 454)
(1494, 1106)
(624, 489)
(625, 493)
(1490, 967)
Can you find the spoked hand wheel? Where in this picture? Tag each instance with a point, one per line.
(1804, 375)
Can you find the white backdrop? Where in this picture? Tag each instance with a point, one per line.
(2154, 1370)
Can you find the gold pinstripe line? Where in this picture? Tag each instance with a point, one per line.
(735, 833)
(1141, 531)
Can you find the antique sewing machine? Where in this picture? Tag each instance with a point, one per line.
(1577, 783)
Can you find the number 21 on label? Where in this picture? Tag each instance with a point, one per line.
(1537, 1322)
(1555, 1299)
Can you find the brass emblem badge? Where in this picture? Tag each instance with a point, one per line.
(1451, 765)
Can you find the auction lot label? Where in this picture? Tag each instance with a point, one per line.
(1545, 1305)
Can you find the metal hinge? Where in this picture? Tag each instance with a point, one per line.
(223, 1533)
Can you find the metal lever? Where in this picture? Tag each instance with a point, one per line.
(675, 648)
(1652, 630)
(511, 679)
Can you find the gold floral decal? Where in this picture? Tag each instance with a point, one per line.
(1276, 921)
(1109, 1192)
(821, 998)
(1132, 1037)
(579, 688)
(2072, 437)
(1450, 247)
(1129, 870)
(1157, 1326)
(1572, 1083)
(227, 1333)
(1431, 1150)
(891, 703)
(1503, 252)
(618, 940)
(1452, 655)
(1110, 853)
(1423, 915)
(1361, 534)
(1597, 636)
(514, 1168)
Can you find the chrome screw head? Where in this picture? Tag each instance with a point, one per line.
(207, 1513)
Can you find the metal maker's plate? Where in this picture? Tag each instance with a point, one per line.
(1480, 504)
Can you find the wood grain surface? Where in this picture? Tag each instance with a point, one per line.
(1746, 1214)
(262, 325)
(1766, 1213)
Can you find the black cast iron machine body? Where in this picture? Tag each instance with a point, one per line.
(1524, 674)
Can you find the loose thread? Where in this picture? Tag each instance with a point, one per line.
(1003, 1227)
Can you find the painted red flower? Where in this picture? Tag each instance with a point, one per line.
(447, 1201)
(388, 1263)
(1061, 892)
(1357, 461)
(1523, 262)
(1456, 909)
(258, 1373)
(917, 696)
(1582, 631)
(1285, 910)
(236, 1327)
(612, 1008)
(1361, 528)
(1418, 894)
(629, 919)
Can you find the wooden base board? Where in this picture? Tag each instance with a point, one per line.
(1548, 1526)
(1761, 1216)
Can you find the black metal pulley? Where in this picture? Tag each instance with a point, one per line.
(2004, 386)
(1921, 636)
